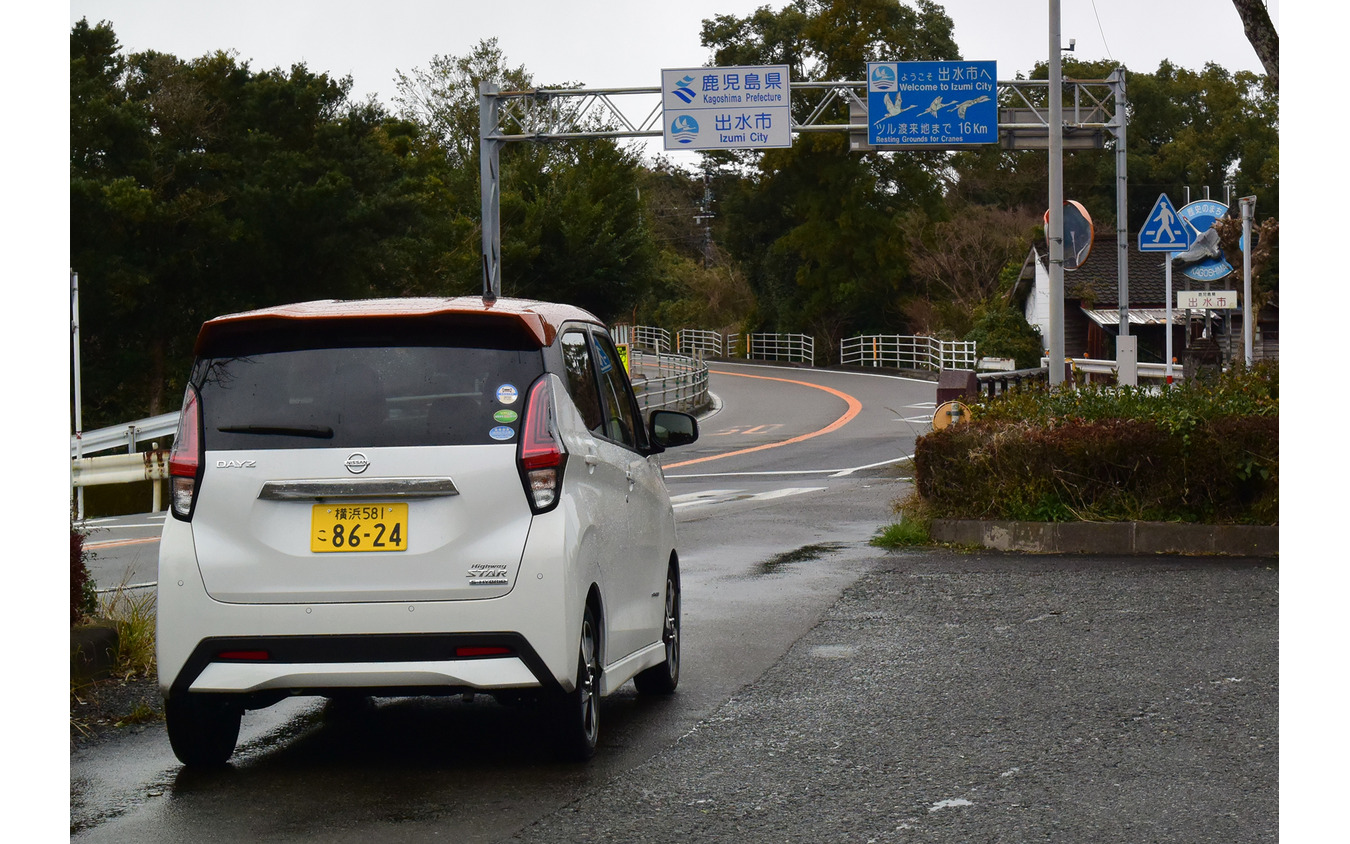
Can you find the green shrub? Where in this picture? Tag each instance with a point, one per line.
(83, 598)
(1005, 333)
(1205, 452)
(133, 611)
(1238, 392)
(907, 531)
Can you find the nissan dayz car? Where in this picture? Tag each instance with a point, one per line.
(408, 497)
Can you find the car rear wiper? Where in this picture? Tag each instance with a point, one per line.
(318, 432)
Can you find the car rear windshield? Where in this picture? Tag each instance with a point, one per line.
(360, 387)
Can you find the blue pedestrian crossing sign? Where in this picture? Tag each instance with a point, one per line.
(1165, 230)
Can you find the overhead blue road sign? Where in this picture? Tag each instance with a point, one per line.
(1164, 230)
(932, 104)
(1200, 216)
(726, 107)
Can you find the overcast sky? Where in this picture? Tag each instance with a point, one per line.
(610, 43)
(616, 44)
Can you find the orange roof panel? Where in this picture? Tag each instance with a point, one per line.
(542, 319)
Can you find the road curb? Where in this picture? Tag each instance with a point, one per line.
(93, 649)
(1111, 537)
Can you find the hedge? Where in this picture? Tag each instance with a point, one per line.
(1202, 452)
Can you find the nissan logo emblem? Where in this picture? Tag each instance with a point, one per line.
(357, 463)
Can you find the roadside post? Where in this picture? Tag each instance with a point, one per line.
(1248, 211)
(1164, 231)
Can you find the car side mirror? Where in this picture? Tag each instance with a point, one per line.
(670, 428)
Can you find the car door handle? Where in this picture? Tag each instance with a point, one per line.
(592, 459)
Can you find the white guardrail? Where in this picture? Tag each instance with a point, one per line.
(1151, 371)
(674, 382)
(125, 436)
(694, 341)
(907, 352)
(794, 348)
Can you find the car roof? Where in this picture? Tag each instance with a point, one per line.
(541, 319)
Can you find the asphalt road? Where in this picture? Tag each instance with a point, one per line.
(830, 692)
(958, 698)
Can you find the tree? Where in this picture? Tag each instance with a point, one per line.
(200, 187)
(816, 227)
(571, 223)
(1261, 33)
(1003, 332)
(959, 260)
(443, 98)
(1266, 239)
(1209, 128)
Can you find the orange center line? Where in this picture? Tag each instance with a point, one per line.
(854, 408)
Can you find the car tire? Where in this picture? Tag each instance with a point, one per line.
(202, 732)
(662, 679)
(577, 713)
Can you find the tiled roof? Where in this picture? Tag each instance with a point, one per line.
(1147, 274)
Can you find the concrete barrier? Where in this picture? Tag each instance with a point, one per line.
(1125, 538)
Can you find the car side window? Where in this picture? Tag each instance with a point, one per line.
(621, 421)
(581, 383)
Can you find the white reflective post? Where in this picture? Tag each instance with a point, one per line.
(1248, 209)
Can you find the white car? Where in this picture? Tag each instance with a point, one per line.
(409, 497)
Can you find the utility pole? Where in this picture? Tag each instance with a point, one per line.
(1056, 233)
(704, 216)
(75, 362)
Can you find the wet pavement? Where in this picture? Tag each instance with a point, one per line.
(987, 697)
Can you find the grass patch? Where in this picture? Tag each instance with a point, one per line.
(902, 534)
(133, 611)
(141, 713)
(911, 528)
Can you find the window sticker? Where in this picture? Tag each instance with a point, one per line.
(502, 432)
(603, 359)
(506, 417)
(507, 394)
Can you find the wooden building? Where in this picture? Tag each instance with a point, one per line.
(1092, 307)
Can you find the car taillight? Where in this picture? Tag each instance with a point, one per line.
(186, 457)
(541, 452)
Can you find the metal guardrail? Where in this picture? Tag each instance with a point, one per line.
(641, 336)
(997, 383)
(1087, 367)
(1081, 371)
(694, 341)
(676, 382)
(794, 348)
(128, 435)
(907, 352)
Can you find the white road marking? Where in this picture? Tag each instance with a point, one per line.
(784, 493)
(695, 497)
(846, 472)
(756, 474)
(723, 496)
(833, 473)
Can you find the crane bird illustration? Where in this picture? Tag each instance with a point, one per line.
(937, 105)
(961, 107)
(1206, 246)
(893, 106)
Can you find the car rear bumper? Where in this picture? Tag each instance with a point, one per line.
(395, 645)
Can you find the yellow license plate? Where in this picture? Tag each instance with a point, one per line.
(358, 527)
